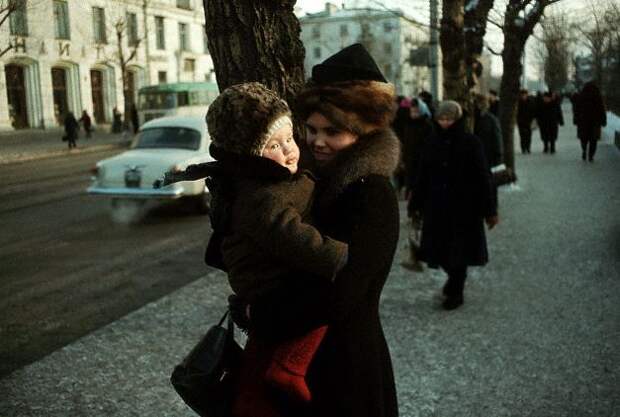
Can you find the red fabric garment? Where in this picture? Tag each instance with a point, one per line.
(290, 363)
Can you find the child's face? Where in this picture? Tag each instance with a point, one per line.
(282, 149)
(326, 140)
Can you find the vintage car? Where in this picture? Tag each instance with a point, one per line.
(161, 145)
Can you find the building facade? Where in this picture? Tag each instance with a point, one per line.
(67, 56)
(399, 45)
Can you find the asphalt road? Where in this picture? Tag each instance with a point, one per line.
(66, 268)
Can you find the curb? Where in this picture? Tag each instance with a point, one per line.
(17, 158)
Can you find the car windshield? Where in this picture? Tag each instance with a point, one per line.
(169, 137)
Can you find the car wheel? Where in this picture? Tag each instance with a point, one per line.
(202, 203)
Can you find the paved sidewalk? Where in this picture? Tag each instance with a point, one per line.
(31, 144)
(538, 335)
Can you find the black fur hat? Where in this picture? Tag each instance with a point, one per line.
(352, 63)
(242, 117)
(349, 90)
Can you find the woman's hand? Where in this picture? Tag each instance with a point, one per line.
(492, 221)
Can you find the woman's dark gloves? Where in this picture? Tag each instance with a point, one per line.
(239, 309)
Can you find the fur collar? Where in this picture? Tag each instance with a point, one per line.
(377, 153)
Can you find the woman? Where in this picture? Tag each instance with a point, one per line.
(454, 194)
(347, 107)
(589, 116)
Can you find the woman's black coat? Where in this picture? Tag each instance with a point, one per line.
(351, 374)
(454, 193)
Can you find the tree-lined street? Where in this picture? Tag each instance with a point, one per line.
(537, 335)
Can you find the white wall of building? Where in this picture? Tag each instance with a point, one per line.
(40, 51)
(388, 36)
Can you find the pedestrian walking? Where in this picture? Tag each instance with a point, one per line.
(417, 129)
(455, 196)
(549, 117)
(401, 106)
(347, 107)
(526, 112)
(486, 127)
(252, 140)
(86, 123)
(71, 129)
(589, 116)
(117, 122)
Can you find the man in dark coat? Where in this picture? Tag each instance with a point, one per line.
(455, 195)
(589, 115)
(526, 111)
(549, 117)
(71, 129)
(487, 128)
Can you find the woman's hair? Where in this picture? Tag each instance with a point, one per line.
(349, 89)
(358, 106)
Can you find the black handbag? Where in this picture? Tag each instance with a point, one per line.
(206, 379)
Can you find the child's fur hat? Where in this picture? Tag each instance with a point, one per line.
(241, 119)
(349, 90)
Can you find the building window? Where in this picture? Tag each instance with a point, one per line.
(18, 19)
(387, 27)
(387, 48)
(344, 30)
(316, 32)
(61, 20)
(99, 28)
(189, 65)
(205, 39)
(183, 40)
(132, 29)
(162, 77)
(184, 4)
(160, 36)
(317, 52)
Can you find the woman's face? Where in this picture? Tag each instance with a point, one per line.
(324, 139)
(445, 122)
(414, 112)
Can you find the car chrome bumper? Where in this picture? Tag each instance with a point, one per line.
(163, 194)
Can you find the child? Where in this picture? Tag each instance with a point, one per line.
(259, 207)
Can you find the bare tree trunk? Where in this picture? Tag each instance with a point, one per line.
(452, 41)
(519, 20)
(256, 41)
(509, 94)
